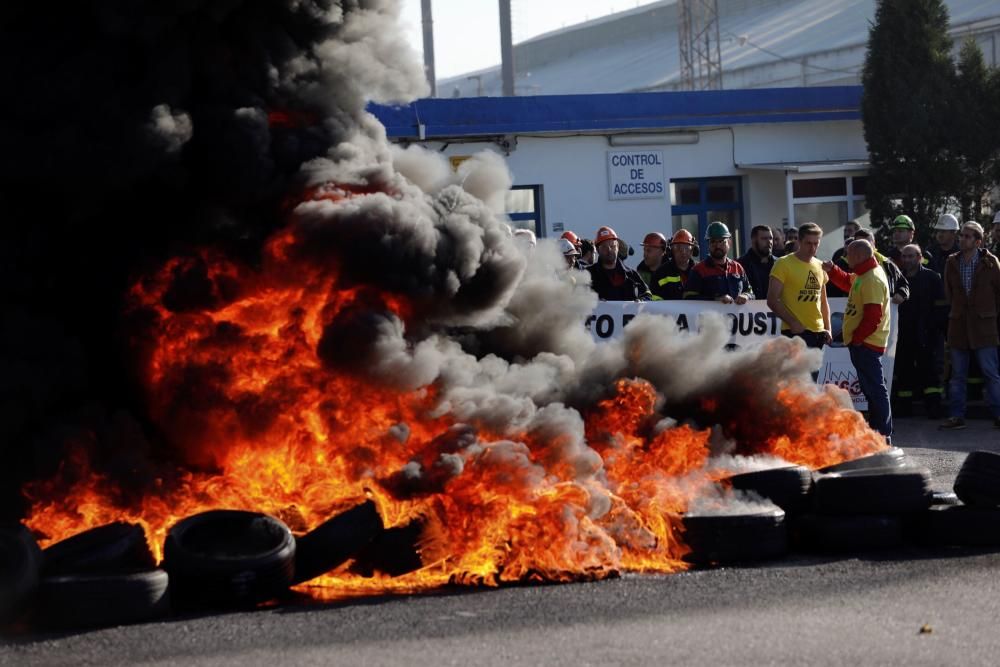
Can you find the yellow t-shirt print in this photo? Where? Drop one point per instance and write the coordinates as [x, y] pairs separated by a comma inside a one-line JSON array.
[[810, 292]]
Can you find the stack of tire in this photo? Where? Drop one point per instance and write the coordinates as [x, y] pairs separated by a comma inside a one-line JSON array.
[[864, 504], [975, 521], [721, 538], [854, 506], [106, 576]]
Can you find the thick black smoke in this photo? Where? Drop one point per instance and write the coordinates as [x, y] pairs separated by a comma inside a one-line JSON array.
[[133, 130]]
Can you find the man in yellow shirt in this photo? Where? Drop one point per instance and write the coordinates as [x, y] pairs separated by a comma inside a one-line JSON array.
[[796, 291], [866, 327]]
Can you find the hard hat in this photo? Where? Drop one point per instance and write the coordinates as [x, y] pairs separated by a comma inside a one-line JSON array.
[[717, 230], [903, 222], [682, 236], [604, 234], [571, 237], [566, 247], [655, 239], [947, 222], [525, 236]]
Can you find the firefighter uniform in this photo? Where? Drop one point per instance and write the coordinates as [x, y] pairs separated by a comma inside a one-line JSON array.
[[920, 346]]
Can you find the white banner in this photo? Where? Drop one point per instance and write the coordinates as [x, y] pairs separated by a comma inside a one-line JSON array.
[[752, 324]]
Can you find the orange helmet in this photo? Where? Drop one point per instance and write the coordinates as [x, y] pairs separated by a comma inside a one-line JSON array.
[[604, 234], [655, 239], [571, 237], [683, 236]]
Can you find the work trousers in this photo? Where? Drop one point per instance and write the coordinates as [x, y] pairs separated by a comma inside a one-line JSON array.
[[917, 374], [868, 364], [987, 358]]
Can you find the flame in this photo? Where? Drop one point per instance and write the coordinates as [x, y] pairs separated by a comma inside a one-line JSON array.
[[259, 422]]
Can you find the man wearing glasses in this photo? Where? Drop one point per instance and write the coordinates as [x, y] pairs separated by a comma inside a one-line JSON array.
[[972, 287]]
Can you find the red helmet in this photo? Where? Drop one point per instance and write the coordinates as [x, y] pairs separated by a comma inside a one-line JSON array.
[[683, 236], [604, 234], [571, 237], [655, 239]]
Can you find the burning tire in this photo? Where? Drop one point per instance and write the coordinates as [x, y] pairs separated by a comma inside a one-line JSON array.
[[978, 480], [787, 487], [336, 540], [735, 538], [100, 600], [229, 557], [873, 491], [20, 560], [840, 534], [961, 525], [110, 548], [395, 551], [894, 457]]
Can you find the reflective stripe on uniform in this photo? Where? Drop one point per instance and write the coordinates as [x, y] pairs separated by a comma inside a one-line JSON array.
[[669, 279], [933, 390], [905, 393]]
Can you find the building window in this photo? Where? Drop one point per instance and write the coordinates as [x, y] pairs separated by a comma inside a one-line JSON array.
[[525, 209], [830, 200], [696, 202]]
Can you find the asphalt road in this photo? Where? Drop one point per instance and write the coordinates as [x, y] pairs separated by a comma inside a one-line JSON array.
[[910, 606]]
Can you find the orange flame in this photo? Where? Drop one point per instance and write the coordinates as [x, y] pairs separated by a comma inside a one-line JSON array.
[[261, 423]]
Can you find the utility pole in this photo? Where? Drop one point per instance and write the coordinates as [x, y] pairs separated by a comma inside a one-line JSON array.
[[428, 24], [698, 33], [506, 49]]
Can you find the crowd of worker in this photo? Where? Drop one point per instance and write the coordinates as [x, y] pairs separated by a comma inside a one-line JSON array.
[[947, 295]]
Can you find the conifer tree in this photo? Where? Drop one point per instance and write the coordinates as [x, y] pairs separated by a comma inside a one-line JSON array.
[[908, 80], [976, 135]]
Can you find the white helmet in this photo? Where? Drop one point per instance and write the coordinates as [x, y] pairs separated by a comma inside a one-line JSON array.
[[996, 218], [947, 222], [566, 247]]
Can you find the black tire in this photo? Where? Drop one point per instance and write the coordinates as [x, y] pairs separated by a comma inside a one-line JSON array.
[[20, 561], [735, 538], [847, 534], [873, 491], [894, 457], [229, 558], [395, 551], [334, 541], [978, 480], [110, 548], [787, 487], [961, 525], [101, 600]]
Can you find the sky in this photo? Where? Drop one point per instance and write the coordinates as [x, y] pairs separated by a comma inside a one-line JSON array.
[[467, 32]]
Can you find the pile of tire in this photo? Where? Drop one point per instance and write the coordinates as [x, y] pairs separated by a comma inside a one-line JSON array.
[[854, 506], [864, 504], [106, 576]]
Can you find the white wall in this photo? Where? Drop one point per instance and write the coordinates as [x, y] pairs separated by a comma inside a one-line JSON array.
[[574, 172]]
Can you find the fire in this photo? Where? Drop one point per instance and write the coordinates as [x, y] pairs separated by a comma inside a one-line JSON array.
[[233, 361]]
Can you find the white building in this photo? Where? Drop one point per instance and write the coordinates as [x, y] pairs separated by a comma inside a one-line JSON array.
[[662, 161], [763, 44]]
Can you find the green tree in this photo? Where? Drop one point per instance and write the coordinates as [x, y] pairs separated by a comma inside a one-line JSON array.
[[908, 79], [976, 136]]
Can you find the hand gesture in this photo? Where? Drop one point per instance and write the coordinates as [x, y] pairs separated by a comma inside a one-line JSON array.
[[725, 298], [828, 266], [741, 299]]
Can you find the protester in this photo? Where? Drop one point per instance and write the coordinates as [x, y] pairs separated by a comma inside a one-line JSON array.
[[670, 281], [572, 238], [901, 232], [779, 241], [972, 287], [946, 238], [718, 277], [569, 253], [588, 253], [920, 345], [840, 257], [758, 259], [791, 240], [795, 291], [654, 250], [866, 327], [994, 240], [899, 288], [609, 277]]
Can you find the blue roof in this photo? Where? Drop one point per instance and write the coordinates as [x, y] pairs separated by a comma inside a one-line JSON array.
[[541, 114]]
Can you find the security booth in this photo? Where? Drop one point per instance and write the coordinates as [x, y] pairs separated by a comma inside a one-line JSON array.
[[643, 162]]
